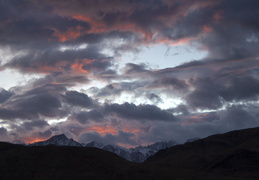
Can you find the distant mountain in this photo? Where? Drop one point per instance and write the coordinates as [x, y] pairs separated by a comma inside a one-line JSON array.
[[141, 153], [138, 154], [58, 140], [94, 144]]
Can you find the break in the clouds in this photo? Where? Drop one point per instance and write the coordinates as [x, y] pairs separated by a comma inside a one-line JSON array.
[[81, 67]]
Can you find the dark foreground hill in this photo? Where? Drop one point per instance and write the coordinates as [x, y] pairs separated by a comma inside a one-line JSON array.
[[58, 162], [234, 155]]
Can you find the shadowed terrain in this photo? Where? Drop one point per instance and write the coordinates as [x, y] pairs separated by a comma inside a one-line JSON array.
[[233, 155], [56, 162]]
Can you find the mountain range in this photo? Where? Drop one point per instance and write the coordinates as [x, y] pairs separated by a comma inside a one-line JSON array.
[[137, 154], [230, 156]]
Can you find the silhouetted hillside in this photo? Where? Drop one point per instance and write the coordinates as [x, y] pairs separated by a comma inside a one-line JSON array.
[[233, 155], [230, 155], [55, 162]]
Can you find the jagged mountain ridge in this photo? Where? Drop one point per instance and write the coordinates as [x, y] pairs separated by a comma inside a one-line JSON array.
[[137, 154], [58, 140]]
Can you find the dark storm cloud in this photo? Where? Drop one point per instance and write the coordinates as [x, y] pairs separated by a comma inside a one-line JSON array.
[[124, 111], [204, 99], [3, 131], [34, 124], [8, 114], [116, 89], [241, 88], [29, 103], [78, 99], [45, 134], [154, 97], [238, 118], [181, 108], [43, 104], [121, 137], [200, 125], [45, 97], [131, 68], [140, 112], [110, 89], [212, 93], [85, 116], [205, 96], [235, 36], [167, 82], [4, 95], [234, 117]]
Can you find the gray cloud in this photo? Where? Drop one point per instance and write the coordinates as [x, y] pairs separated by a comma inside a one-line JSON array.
[[45, 134], [241, 88], [167, 82], [3, 131], [4, 95], [34, 124], [44, 104], [140, 112], [78, 99], [212, 93], [154, 98], [111, 89], [131, 68], [238, 118], [86, 116], [205, 96], [121, 137], [8, 114]]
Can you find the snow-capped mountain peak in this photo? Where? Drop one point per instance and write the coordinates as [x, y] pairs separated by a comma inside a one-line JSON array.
[[58, 140], [94, 144]]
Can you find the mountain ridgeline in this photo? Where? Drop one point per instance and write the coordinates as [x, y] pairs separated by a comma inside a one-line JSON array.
[[233, 155], [137, 154]]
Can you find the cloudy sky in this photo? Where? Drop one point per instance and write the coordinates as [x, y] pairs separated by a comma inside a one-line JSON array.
[[127, 72]]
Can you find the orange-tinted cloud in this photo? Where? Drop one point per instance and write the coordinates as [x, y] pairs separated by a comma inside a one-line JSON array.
[[207, 28], [30, 140], [171, 42], [70, 34], [59, 67], [105, 129], [130, 129], [78, 66], [109, 129], [101, 27]]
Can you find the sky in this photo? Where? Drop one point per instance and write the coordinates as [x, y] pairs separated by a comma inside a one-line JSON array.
[[127, 72]]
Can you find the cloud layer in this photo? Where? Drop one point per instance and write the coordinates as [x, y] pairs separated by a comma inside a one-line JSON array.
[[82, 86]]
